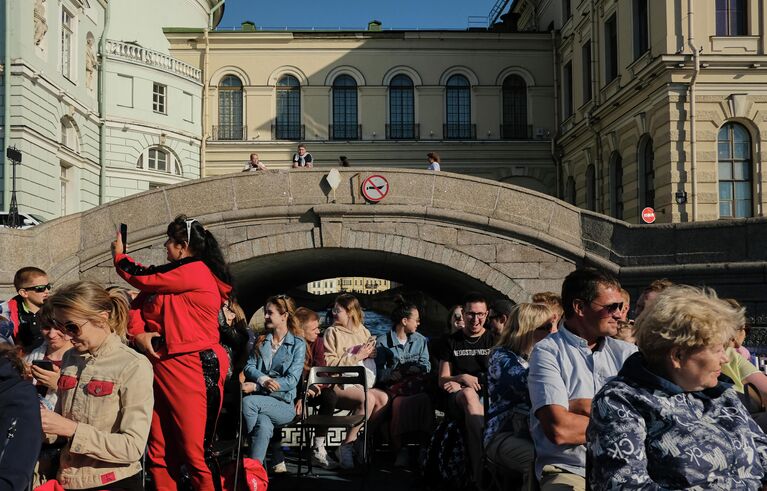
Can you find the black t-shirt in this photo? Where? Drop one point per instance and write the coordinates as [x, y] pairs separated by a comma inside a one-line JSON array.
[[467, 355], [302, 161]]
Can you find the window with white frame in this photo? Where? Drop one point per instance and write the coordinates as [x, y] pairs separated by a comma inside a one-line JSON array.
[[734, 163], [67, 42], [65, 184], [159, 98], [69, 136], [159, 159]]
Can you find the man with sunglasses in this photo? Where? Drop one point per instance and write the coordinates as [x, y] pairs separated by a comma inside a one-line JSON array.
[[32, 288], [567, 369]]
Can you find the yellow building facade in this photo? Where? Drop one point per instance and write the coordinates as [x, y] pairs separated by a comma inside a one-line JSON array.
[[659, 104], [355, 284], [482, 100]]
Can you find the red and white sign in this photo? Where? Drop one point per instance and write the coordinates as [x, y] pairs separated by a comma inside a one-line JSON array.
[[648, 215], [375, 188]]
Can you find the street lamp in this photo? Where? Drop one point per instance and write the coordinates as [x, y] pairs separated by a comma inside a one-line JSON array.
[[681, 197], [14, 156]]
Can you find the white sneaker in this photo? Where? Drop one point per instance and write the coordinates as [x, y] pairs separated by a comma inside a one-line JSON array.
[[321, 458], [345, 454], [280, 468]]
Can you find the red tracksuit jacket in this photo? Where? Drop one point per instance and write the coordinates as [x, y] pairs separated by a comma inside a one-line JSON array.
[[179, 300]]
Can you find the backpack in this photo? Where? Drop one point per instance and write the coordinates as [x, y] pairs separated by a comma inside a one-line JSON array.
[[445, 465], [252, 476]]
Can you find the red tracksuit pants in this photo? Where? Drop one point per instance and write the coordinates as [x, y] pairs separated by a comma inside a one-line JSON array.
[[188, 391]]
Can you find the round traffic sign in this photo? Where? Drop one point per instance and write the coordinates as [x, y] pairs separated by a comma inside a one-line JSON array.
[[375, 188], [648, 215]]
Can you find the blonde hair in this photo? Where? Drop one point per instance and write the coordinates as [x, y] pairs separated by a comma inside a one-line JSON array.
[[551, 300], [88, 299], [685, 317], [350, 303], [525, 318], [239, 314]]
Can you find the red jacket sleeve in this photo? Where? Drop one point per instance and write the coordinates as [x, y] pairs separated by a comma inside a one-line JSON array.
[[168, 278], [136, 323]]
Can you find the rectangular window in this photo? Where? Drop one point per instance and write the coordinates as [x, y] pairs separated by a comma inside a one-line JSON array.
[[567, 89], [159, 92], [567, 11], [641, 28], [124, 91], [731, 18], [158, 160], [64, 185], [611, 49], [188, 106], [67, 40], [586, 64]]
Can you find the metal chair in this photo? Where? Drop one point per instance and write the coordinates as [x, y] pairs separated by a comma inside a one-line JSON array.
[[230, 449], [339, 375]]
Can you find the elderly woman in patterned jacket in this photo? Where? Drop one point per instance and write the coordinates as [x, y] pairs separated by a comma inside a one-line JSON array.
[[667, 421]]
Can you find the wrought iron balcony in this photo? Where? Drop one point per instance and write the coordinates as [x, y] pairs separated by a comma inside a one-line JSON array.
[[289, 131], [345, 131], [459, 131], [403, 131], [229, 133]]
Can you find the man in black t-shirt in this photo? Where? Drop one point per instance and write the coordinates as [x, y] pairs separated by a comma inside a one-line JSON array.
[[302, 158], [462, 360]]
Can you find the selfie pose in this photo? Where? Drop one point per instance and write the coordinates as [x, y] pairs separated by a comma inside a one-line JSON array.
[[174, 321]]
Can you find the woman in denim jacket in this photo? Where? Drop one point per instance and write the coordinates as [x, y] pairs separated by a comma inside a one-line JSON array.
[[402, 361], [272, 374], [666, 421]]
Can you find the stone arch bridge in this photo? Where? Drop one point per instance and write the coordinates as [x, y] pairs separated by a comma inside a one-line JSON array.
[[443, 233]]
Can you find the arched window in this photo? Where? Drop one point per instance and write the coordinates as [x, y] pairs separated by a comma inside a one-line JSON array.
[[288, 124], [69, 137], [616, 185], [734, 158], [401, 109], [345, 125], [570, 195], [229, 110], [159, 159], [591, 188], [458, 109], [646, 161], [515, 109]]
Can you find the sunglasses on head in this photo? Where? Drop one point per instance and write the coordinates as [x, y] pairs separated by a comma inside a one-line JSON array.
[[37, 288], [189, 224], [68, 327]]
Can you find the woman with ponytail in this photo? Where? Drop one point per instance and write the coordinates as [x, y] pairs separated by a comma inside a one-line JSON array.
[[402, 357], [272, 375], [174, 321], [104, 405]]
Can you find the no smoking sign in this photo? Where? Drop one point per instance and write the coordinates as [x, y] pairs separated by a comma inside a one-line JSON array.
[[375, 188]]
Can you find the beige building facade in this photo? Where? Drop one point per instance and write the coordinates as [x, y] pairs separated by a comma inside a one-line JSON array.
[[660, 104], [484, 101], [356, 284]]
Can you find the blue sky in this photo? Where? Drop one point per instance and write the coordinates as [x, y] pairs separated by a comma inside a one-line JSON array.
[[425, 14]]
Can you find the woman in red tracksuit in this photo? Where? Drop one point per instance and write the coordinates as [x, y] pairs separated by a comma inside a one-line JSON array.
[[175, 322]]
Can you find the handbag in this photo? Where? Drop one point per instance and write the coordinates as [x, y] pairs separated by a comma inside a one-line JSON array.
[[408, 386]]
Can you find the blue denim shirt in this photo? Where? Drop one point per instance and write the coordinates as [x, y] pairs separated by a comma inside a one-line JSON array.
[[390, 354], [285, 368], [647, 433]]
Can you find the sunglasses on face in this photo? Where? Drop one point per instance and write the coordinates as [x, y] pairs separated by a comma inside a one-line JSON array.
[[37, 288], [611, 307], [69, 327]]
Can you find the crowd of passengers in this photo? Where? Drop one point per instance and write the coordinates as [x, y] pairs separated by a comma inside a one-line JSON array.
[[92, 379]]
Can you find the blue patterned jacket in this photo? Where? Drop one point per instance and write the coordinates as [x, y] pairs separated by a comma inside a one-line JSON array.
[[647, 433], [507, 390]]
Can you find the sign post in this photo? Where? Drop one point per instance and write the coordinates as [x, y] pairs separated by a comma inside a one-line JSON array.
[[375, 188], [14, 155]]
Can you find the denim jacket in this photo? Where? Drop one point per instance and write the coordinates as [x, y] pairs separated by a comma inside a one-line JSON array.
[[285, 368], [647, 433], [391, 355]]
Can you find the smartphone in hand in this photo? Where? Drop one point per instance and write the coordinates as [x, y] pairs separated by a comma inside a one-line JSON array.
[[44, 364], [124, 235]]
